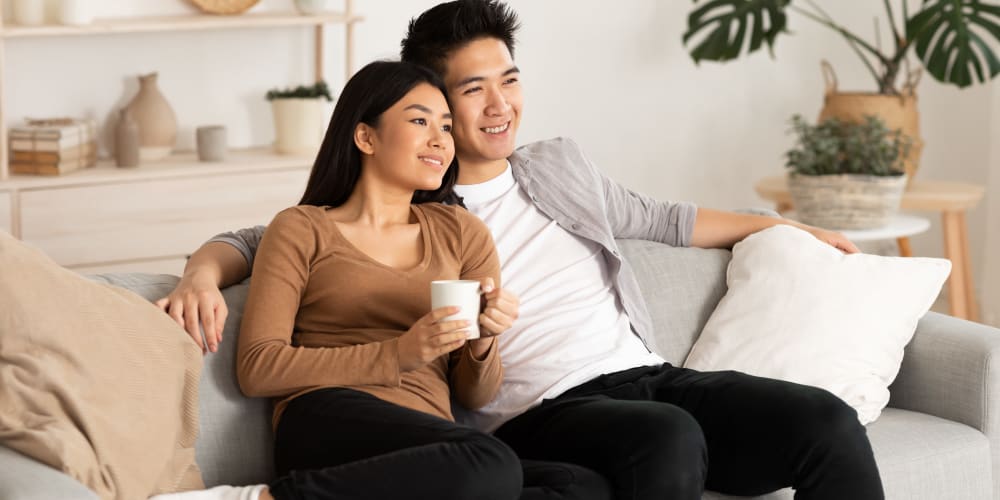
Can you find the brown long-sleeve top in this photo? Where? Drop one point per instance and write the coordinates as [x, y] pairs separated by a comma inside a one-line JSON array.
[[321, 313]]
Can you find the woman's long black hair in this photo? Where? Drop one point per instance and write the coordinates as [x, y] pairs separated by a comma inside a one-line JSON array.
[[368, 94]]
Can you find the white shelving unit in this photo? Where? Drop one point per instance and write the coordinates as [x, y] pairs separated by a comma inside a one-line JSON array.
[[186, 23], [106, 218]]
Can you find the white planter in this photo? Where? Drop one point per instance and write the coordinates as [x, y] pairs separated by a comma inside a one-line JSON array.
[[299, 124], [312, 7]]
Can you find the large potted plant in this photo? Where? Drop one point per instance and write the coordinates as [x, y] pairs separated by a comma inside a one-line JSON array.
[[951, 39], [300, 116], [845, 175]]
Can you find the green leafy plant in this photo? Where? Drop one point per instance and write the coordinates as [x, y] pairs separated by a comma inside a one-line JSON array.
[[948, 36], [834, 147], [319, 89]]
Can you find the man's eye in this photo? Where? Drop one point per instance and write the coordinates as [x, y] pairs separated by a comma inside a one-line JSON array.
[[510, 81], [471, 90]]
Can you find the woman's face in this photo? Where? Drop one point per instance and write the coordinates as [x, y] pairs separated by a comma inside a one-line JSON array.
[[412, 145]]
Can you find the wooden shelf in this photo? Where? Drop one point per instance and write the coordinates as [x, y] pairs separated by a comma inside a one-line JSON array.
[[194, 22], [184, 164]]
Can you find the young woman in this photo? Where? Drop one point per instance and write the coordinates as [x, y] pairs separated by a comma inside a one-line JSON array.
[[337, 327]]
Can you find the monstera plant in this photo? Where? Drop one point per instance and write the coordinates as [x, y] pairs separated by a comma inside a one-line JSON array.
[[949, 36], [951, 39]]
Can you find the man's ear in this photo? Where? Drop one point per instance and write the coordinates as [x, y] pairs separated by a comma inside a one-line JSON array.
[[364, 138]]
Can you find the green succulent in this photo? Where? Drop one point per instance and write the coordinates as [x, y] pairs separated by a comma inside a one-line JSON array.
[[836, 147], [319, 89]]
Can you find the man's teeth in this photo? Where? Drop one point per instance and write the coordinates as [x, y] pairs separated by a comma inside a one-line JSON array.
[[497, 130]]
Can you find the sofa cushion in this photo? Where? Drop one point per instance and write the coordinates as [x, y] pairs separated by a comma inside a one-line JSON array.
[[681, 286], [235, 440], [86, 372], [798, 309]]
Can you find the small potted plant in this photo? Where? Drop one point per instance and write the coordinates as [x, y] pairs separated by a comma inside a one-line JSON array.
[[300, 116], [846, 175]]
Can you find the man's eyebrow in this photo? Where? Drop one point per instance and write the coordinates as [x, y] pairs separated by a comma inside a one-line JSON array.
[[472, 79]]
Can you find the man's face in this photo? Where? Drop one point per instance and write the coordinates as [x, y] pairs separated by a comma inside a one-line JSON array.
[[485, 91]]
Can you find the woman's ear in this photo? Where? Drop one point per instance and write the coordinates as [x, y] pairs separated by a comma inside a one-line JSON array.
[[364, 138]]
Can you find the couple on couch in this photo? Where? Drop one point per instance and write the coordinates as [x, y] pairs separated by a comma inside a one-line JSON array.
[[337, 330]]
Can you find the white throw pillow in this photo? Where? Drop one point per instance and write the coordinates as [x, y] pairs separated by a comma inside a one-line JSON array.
[[798, 309]]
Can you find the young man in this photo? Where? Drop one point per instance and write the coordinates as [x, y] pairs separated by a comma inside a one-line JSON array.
[[580, 386]]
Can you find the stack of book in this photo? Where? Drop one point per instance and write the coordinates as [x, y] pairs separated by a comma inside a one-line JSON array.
[[53, 146]]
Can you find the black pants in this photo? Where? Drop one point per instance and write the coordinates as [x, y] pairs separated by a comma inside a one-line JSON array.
[[666, 432], [345, 444]]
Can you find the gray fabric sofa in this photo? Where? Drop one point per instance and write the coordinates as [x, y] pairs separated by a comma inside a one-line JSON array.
[[939, 439]]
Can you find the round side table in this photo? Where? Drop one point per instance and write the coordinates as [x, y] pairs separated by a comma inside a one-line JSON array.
[[900, 228]]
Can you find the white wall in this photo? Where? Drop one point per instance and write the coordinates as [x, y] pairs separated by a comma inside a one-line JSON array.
[[991, 276], [613, 75]]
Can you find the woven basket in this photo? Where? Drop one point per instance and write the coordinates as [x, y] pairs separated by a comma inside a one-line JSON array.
[[224, 6], [898, 112], [846, 201]]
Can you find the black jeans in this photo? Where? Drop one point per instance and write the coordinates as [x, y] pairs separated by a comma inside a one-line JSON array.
[[666, 432], [346, 444]]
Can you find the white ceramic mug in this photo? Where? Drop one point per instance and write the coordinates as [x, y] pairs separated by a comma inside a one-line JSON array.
[[462, 293]]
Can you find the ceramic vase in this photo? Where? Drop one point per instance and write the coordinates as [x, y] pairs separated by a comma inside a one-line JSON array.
[[126, 140], [155, 118]]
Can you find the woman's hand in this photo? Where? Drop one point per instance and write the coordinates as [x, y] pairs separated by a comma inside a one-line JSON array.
[[428, 338], [197, 299]]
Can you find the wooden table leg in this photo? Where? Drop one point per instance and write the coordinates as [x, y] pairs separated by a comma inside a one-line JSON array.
[[904, 247], [953, 224], [970, 283]]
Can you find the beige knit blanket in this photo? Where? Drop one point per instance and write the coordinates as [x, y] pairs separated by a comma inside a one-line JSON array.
[[94, 380]]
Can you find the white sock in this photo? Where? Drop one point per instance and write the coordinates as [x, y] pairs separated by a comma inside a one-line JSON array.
[[217, 493]]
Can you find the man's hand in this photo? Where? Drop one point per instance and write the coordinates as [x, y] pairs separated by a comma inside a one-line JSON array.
[[833, 238], [500, 312], [198, 300]]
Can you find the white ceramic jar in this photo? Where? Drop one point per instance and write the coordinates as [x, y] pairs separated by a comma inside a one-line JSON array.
[[29, 12], [76, 12]]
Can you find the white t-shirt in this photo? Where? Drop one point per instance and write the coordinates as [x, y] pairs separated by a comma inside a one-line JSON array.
[[571, 326]]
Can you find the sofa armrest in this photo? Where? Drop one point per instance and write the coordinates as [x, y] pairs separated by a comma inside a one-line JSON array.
[[951, 369], [22, 478]]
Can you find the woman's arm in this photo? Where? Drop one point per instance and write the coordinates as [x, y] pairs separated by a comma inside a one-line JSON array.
[[475, 369], [267, 364]]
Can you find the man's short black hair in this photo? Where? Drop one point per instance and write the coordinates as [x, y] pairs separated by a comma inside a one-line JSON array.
[[437, 32]]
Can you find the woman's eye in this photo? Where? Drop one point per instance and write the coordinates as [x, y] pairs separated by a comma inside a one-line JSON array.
[[419, 121], [446, 128]]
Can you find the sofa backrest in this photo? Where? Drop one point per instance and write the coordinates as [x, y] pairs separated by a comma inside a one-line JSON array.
[[681, 286]]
